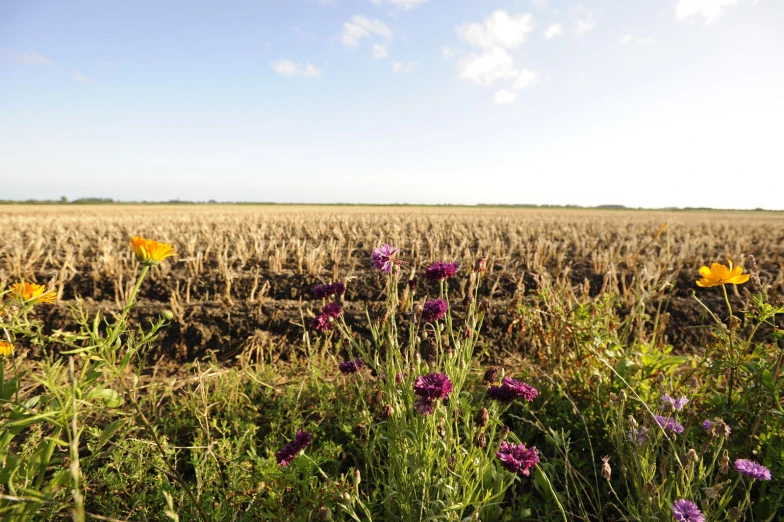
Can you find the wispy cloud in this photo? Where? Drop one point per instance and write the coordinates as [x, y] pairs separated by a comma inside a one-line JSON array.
[[360, 27], [289, 69], [710, 10], [447, 52], [379, 51], [553, 31], [629, 38], [401, 4], [33, 58], [584, 21], [504, 97], [500, 29], [409, 67], [78, 77]]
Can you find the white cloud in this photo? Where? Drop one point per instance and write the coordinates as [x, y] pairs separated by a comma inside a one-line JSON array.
[[401, 4], [584, 21], [288, 69], [553, 31], [629, 38], [541, 4], [409, 67], [526, 78], [379, 51], [447, 52], [500, 29], [487, 67], [504, 97], [708, 9], [33, 58], [80, 77], [360, 27]]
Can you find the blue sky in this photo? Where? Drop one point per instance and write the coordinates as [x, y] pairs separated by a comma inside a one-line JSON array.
[[650, 103]]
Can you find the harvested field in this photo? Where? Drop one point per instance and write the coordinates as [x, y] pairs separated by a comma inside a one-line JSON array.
[[242, 280]]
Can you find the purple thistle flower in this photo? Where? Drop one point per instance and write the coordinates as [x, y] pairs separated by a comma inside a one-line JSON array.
[[424, 406], [510, 390], [434, 310], [686, 511], [381, 258], [669, 424], [674, 404], [752, 469], [706, 424], [337, 288], [440, 271], [433, 386], [301, 441], [321, 323], [332, 310], [320, 291], [517, 458], [638, 435], [350, 366]]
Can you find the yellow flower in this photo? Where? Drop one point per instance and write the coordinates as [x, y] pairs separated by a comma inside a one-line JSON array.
[[25, 291], [6, 349], [151, 252], [719, 274]]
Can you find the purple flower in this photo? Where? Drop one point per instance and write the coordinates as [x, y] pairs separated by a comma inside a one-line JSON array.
[[424, 406], [381, 258], [321, 323], [332, 310], [517, 458], [301, 441], [638, 435], [320, 291], [440, 271], [686, 511], [752, 469], [674, 404], [434, 310], [706, 424], [350, 366], [717, 428], [669, 424], [336, 288], [433, 386], [511, 389]]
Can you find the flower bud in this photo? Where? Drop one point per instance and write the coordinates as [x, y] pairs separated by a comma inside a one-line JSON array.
[[479, 265], [724, 463], [357, 477], [482, 416], [324, 513], [167, 315], [388, 411], [504, 432], [481, 439], [606, 469], [491, 375]]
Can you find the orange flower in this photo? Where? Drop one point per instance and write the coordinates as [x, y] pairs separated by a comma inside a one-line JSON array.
[[25, 291], [719, 274], [6, 349], [151, 252]]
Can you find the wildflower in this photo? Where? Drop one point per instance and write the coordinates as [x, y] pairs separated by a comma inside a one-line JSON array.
[[691, 456], [412, 283], [322, 291], [674, 404], [719, 274], [31, 292], [6, 349], [517, 458], [350, 366], [638, 435], [686, 511], [433, 386], [491, 375], [606, 469], [717, 428], [434, 310], [714, 491], [321, 323], [479, 266], [439, 271], [424, 406], [381, 258], [482, 416], [510, 390], [150, 252], [669, 424], [752, 469], [481, 439], [301, 441], [724, 463], [332, 310]]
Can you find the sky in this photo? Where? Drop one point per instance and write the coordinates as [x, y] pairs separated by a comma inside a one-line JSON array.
[[643, 103]]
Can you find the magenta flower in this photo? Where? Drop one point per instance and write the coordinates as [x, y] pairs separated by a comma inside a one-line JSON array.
[[440, 271], [424, 406], [301, 441], [321, 323], [433, 386], [332, 310], [674, 404], [752, 470], [510, 390], [381, 258], [434, 310], [517, 458], [669, 424], [350, 366], [686, 511], [336, 288]]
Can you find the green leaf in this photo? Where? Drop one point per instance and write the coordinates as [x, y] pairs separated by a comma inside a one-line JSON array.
[[111, 399]]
